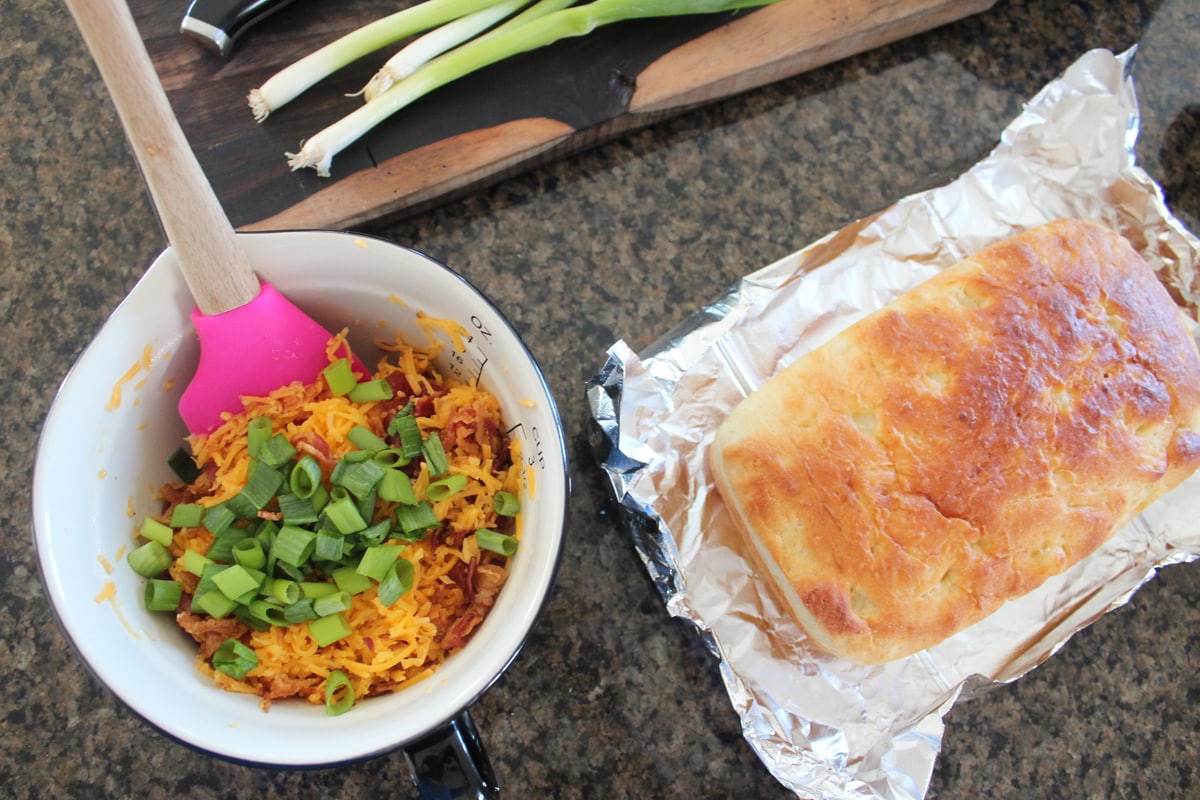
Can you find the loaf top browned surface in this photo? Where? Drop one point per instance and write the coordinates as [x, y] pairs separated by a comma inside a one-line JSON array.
[[982, 433]]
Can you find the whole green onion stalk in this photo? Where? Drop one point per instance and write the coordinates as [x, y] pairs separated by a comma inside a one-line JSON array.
[[289, 83], [414, 55], [542, 24]]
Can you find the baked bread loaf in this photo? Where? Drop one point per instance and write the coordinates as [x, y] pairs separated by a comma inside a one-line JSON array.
[[953, 450]]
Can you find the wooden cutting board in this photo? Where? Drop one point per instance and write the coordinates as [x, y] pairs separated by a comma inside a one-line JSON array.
[[521, 113]]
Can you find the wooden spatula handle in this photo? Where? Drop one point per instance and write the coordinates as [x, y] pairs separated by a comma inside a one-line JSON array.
[[213, 263]]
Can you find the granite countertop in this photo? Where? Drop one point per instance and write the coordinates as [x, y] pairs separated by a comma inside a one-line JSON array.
[[611, 697]]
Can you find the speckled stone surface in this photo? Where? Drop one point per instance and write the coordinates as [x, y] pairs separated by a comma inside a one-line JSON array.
[[611, 698]]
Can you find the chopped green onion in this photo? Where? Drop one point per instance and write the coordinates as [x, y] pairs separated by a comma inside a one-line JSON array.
[[157, 531], [369, 391], [150, 559], [184, 465], [339, 375], [327, 630], [446, 487], [258, 431], [187, 515], [376, 560], [163, 595], [390, 457], [339, 693], [214, 603], [319, 499], [222, 547], [289, 572], [405, 428], [306, 477], [417, 518], [361, 477], [267, 612], [235, 581], [293, 545], [194, 562], [328, 546], [249, 553], [339, 469], [365, 439], [265, 532], [395, 487], [299, 611], [217, 518], [283, 590], [366, 506], [376, 533], [435, 455], [296, 510], [506, 504], [331, 603], [396, 582], [277, 451], [314, 589], [343, 513], [496, 542], [350, 581], [241, 506], [242, 612], [234, 659], [261, 487]]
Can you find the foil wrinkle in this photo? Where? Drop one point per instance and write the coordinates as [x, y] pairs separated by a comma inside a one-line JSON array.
[[823, 727]]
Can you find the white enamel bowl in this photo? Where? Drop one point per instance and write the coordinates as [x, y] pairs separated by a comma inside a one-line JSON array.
[[113, 458]]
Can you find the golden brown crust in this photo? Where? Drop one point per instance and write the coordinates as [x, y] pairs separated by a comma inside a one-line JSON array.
[[982, 433]]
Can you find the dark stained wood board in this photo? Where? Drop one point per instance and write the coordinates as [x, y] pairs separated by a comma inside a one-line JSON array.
[[520, 113]]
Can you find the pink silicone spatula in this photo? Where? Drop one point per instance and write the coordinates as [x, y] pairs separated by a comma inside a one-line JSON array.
[[252, 339]]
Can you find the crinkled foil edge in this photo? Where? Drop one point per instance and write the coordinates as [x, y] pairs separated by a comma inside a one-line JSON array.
[[823, 728]]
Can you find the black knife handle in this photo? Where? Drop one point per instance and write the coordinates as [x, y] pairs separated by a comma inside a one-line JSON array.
[[216, 24]]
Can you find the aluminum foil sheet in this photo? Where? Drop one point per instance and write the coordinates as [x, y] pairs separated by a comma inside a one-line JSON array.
[[826, 728]]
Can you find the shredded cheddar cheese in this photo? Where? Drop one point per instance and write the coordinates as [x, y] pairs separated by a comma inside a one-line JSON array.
[[454, 581], [108, 593], [143, 364], [457, 333]]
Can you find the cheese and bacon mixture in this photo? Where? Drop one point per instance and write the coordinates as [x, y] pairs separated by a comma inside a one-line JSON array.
[[454, 581]]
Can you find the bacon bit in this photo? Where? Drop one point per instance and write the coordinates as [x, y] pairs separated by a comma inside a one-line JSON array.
[[485, 585], [463, 576], [281, 685], [382, 687], [450, 537], [423, 406], [274, 516], [314, 445], [400, 385], [173, 494], [209, 632], [461, 630]]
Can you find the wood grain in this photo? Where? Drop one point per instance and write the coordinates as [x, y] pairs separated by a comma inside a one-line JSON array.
[[783, 40]]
